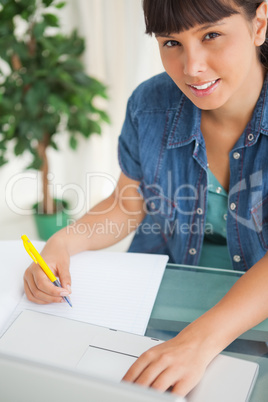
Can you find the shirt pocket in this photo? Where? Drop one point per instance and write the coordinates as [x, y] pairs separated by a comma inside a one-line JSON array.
[[260, 217], [161, 209]]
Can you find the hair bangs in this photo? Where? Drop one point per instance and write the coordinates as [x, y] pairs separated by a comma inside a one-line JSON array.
[[167, 16]]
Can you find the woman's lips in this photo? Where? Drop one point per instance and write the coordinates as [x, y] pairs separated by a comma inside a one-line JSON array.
[[204, 89]]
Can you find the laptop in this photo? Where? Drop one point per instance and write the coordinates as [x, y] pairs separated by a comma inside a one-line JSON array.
[[22, 380], [107, 354]]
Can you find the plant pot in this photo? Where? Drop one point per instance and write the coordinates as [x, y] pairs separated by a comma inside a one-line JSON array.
[[48, 224]]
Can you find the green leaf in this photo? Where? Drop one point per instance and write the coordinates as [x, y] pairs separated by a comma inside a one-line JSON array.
[[104, 116], [54, 145], [51, 20], [47, 3], [3, 161], [57, 102], [71, 65], [25, 15], [3, 145], [81, 78], [49, 122], [32, 101], [94, 127], [21, 146], [28, 4], [60, 5], [36, 163], [38, 29], [73, 142]]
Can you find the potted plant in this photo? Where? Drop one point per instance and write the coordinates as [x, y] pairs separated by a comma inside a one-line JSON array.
[[44, 90]]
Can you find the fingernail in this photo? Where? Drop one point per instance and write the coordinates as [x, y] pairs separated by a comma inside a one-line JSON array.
[[64, 293], [69, 289]]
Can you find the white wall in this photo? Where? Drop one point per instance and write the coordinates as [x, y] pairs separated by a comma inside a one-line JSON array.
[[121, 55]]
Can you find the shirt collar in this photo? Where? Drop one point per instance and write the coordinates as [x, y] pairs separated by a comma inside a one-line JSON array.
[[259, 122], [186, 124]]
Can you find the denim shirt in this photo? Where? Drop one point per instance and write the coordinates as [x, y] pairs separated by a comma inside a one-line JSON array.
[[162, 147]]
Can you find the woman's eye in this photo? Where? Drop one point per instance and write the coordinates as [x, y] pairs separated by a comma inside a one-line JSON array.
[[211, 35], [171, 43]]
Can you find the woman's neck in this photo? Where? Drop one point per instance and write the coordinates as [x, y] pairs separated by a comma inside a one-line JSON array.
[[237, 112]]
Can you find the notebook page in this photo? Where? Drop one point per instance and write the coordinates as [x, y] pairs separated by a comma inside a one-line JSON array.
[[110, 289]]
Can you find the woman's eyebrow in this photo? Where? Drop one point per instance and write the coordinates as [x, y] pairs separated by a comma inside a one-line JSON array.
[[163, 35], [209, 25], [198, 29]]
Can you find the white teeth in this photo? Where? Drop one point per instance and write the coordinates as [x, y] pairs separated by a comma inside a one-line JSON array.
[[205, 86]]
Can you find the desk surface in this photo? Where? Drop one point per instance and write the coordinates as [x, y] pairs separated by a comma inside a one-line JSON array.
[[186, 293]]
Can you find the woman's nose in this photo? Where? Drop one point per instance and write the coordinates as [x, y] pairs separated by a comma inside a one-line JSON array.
[[194, 62]]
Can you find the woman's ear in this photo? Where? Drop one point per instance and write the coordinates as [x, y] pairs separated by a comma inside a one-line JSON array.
[[260, 24]]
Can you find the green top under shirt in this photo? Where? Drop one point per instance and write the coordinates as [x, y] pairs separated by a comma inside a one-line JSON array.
[[214, 251]]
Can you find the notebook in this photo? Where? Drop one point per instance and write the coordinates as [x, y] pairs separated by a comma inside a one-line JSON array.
[[108, 353], [112, 289]]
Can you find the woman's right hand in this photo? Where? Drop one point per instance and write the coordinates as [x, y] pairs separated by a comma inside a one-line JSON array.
[[38, 288]]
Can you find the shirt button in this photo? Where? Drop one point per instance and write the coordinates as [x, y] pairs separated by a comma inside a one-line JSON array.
[[232, 206], [218, 190], [236, 155], [225, 217], [236, 258], [192, 251], [199, 211], [250, 137], [152, 205]]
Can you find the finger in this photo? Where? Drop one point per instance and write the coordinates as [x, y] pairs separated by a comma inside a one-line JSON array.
[[167, 379], [150, 374], [39, 297], [41, 287], [44, 284], [137, 368], [64, 276], [29, 294], [184, 386], [181, 388], [146, 373]]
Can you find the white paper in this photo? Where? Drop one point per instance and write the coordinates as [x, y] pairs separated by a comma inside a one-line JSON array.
[[114, 290], [14, 261]]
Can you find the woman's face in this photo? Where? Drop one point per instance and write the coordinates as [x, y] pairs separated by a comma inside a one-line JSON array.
[[213, 64]]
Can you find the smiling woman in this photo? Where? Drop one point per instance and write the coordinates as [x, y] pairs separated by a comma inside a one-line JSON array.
[[223, 53], [193, 154]]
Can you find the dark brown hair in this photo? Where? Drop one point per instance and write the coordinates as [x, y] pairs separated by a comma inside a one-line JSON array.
[[167, 16]]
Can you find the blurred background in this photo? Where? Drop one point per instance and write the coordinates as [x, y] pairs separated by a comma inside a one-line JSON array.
[[119, 54]]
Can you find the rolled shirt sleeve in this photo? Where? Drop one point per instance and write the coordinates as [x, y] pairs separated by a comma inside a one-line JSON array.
[[128, 146]]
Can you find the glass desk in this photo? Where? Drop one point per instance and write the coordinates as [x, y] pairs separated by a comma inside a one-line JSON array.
[[185, 293]]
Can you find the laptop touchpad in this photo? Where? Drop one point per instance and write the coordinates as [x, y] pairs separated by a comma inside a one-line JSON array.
[[105, 363]]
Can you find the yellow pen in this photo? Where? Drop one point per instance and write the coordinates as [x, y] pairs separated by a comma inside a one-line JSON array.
[[33, 253]]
